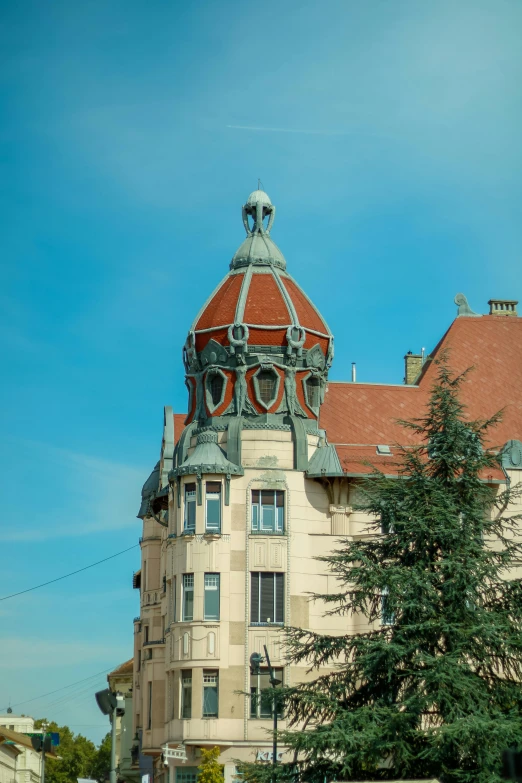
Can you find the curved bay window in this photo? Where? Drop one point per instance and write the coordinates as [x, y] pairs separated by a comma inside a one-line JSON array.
[[189, 521]]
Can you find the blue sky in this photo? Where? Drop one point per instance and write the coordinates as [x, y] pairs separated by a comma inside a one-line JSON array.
[[386, 133]]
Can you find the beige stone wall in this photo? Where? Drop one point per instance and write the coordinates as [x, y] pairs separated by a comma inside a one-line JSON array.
[[315, 515]]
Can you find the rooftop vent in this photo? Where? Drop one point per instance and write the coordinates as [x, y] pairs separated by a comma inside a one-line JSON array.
[[503, 307]]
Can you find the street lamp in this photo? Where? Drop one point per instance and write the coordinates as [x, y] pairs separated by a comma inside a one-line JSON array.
[[112, 704], [255, 668]]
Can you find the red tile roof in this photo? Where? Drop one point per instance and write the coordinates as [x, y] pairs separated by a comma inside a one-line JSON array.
[[124, 668], [222, 307], [358, 414], [306, 312]]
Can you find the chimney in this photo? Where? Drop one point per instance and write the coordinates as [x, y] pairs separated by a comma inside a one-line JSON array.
[[412, 367], [503, 307]]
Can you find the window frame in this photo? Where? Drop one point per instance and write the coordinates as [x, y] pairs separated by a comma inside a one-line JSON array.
[[212, 497], [173, 600], [186, 682], [278, 601], [190, 506], [208, 686], [257, 388], [256, 512], [211, 589], [186, 590], [258, 700], [149, 706], [212, 407], [387, 617], [307, 386]]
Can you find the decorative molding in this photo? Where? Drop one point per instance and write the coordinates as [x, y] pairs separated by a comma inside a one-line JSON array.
[[511, 456], [463, 307]]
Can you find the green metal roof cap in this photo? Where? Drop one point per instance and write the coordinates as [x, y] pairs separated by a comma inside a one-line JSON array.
[[258, 249], [324, 462], [149, 488], [207, 457]]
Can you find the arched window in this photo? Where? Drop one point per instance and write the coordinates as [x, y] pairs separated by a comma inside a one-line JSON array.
[[313, 388], [216, 388], [266, 380]]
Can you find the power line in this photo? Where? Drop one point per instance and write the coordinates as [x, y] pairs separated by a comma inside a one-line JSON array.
[[65, 576], [35, 698]]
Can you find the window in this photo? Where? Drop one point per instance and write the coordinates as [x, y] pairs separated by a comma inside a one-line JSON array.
[[213, 507], [268, 511], [186, 774], [387, 615], [267, 597], [211, 610], [190, 508], [313, 389], [188, 597], [138, 661], [210, 693], [266, 381], [173, 600], [149, 707], [145, 634], [216, 388], [261, 694], [186, 694]]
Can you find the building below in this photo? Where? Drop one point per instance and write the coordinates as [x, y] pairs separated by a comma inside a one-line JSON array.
[[127, 765], [258, 479], [19, 762]]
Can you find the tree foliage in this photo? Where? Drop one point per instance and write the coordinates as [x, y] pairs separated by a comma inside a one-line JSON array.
[[210, 770], [78, 756], [434, 691]]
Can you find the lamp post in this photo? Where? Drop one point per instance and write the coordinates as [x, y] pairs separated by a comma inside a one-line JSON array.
[[112, 704], [255, 662]]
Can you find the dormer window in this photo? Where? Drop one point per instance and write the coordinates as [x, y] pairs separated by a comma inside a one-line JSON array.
[[216, 388], [313, 392], [215, 384], [267, 381], [266, 384]]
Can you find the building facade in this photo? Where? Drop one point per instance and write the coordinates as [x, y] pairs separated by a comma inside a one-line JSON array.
[[256, 481], [19, 762]]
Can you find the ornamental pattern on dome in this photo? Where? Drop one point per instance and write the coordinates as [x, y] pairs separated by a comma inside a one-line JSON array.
[[258, 345]]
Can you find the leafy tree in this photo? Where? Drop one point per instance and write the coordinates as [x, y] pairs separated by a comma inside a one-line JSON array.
[[77, 755], [210, 771], [102, 762], [433, 688]]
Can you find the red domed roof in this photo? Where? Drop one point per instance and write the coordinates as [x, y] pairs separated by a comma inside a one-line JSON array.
[[259, 294], [268, 301], [258, 345]]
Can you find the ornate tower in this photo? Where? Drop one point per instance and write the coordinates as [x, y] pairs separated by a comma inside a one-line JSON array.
[[258, 348], [231, 512]]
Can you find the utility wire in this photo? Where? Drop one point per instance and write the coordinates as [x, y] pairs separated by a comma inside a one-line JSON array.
[[65, 576], [35, 698]]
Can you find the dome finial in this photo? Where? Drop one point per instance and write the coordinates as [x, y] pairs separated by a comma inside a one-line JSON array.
[[258, 206]]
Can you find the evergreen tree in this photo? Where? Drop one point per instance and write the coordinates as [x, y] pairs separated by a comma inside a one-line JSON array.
[[210, 770], [433, 688]]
